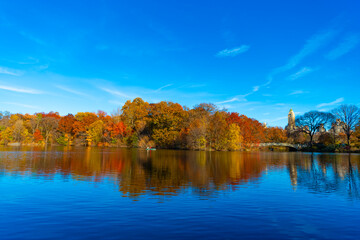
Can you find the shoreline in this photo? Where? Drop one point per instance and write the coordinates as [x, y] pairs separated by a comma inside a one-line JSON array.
[[254, 149]]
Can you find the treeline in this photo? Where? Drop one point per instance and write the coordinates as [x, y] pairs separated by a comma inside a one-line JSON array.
[[329, 130], [140, 124]]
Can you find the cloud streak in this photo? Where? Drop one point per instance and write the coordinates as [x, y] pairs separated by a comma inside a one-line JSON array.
[[339, 100], [233, 52], [344, 47], [159, 89], [70, 90], [9, 71], [298, 92], [116, 93], [313, 44], [301, 73], [240, 98], [235, 99], [20, 90]]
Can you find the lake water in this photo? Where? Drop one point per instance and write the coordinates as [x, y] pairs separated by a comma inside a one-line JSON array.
[[95, 193]]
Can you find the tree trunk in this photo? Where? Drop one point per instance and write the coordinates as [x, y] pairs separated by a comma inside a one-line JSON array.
[[46, 139]]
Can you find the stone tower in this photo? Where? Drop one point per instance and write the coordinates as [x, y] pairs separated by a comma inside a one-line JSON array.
[[291, 121]]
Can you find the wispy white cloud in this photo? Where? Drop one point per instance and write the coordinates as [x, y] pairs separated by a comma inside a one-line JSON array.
[[313, 44], [116, 93], [225, 107], [229, 101], [159, 89], [256, 88], [21, 105], [240, 98], [297, 92], [66, 89], [9, 71], [20, 90], [233, 52], [301, 73], [339, 100], [344, 47]]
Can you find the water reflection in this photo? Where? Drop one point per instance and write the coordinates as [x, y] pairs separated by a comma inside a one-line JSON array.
[[166, 172]]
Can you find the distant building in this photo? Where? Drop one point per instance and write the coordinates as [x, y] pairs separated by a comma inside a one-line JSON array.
[[336, 128], [291, 127]]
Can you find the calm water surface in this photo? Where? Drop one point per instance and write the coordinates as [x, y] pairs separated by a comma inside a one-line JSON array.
[[83, 193]]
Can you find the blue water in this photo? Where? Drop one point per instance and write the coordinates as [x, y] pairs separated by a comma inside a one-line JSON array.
[[83, 193]]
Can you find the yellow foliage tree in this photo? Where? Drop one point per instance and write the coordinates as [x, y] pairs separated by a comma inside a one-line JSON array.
[[234, 137], [95, 132]]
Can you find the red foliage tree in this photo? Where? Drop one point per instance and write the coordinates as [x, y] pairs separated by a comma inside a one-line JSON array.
[[66, 124], [252, 130], [37, 136]]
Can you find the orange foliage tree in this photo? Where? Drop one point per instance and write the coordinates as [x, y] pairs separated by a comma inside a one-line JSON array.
[[252, 131], [37, 136]]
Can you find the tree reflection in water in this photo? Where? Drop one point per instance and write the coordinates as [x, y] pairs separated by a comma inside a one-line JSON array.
[[326, 173], [167, 173]]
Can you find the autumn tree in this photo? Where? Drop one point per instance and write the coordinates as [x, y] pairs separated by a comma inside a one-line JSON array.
[[252, 131], [166, 121], [48, 126], [5, 120], [80, 126], [275, 134], [19, 131], [234, 137], [196, 124], [86, 118], [350, 116], [66, 127], [34, 122], [196, 134], [357, 135], [95, 132], [114, 131], [217, 131], [66, 124], [135, 114], [6, 135], [37, 136]]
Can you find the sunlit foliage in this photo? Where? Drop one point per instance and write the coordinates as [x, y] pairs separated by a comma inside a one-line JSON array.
[[163, 125]]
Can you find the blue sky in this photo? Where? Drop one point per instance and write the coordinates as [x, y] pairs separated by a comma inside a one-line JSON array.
[[258, 58]]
